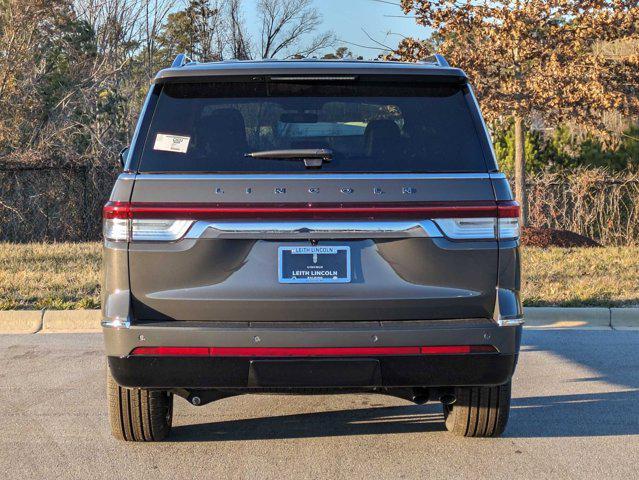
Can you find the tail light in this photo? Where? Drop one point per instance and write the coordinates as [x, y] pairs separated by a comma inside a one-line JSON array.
[[508, 220], [502, 224], [123, 221], [119, 225]]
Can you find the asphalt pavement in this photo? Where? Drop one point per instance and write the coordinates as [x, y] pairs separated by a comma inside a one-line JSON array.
[[575, 414]]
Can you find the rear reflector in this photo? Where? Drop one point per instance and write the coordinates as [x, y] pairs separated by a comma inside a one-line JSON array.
[[172, 351], [309, 352], [456, 349]]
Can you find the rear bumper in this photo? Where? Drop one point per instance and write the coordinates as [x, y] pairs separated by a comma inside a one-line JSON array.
[[308, 372], [360, 372]]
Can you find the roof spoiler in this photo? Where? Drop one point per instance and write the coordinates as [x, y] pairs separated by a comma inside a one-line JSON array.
[[437, 59], [181, 60]]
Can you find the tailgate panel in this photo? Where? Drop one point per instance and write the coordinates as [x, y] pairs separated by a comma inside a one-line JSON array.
[[236, 280], [213, 278]]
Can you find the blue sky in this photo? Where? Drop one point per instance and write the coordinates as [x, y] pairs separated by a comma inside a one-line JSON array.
[[347, 18]]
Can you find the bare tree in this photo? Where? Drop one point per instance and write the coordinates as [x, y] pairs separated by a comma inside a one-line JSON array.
[[285, 23], [240, 42], [155, 12]]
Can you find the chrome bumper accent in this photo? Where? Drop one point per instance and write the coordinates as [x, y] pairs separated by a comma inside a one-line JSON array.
[[314, 229], [510, 321], [116, 323]]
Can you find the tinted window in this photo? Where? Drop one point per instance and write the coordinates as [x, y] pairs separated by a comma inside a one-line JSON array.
[[369, 126]]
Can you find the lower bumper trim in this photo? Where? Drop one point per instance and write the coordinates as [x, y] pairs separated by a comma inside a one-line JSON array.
[[120, 342], [247, 373]]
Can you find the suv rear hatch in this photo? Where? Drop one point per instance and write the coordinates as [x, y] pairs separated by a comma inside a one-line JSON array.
[[404, 207]]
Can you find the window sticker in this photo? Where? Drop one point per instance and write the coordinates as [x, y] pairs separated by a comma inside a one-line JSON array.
[[171, 143]]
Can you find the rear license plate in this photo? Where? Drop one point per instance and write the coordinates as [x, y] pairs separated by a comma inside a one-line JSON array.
[[314, 264]]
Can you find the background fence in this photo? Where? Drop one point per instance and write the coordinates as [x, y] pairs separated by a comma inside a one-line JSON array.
[[53, 204], [591, 202], [64, 204]]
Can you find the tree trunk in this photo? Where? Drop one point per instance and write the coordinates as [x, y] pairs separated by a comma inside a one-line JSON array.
[[520, 168]]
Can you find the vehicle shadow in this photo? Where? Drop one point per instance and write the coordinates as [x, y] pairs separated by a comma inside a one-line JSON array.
[[362, 421], [610, 357], [593, 415], [611, 360], [579, 415]]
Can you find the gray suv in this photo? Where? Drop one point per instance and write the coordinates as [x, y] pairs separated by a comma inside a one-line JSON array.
[[310, 227]]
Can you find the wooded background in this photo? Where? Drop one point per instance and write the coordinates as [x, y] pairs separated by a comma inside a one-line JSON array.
[[73, 76]]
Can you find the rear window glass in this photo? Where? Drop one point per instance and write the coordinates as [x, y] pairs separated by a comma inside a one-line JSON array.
[[368, 126]]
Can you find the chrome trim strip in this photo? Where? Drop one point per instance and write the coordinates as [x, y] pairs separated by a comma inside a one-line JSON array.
[[116, 323], [497, 176], [510, 321], [314, 176], [314, 229]]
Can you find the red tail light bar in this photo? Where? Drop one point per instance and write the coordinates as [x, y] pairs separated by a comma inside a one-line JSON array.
[[145, 221], [206, 211], [310, 351]]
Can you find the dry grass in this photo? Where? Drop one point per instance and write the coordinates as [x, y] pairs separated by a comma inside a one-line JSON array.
[[575, 277], [67, 276], [53, 276]]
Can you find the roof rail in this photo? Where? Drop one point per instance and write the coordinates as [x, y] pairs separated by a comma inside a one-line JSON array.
[[181, 60], [438, 59]]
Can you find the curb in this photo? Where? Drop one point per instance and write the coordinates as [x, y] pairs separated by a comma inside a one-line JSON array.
[[21, 321], [624, 318], [563, 318], [61, 321], [537, 318]]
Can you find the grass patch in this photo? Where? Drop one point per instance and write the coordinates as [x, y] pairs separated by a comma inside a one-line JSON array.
[[57, 276], [578, 277], [67, 276]]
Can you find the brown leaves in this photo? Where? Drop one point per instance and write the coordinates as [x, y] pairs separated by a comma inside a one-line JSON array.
[[534, 56]]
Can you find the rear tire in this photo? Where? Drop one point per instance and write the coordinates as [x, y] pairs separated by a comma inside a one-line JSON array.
[[137, 414], [478, 411]]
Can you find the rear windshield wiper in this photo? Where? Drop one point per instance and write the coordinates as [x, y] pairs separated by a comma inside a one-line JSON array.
[[312, 157]]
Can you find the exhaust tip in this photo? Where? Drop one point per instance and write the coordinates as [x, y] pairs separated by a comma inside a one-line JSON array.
[[448, 399]]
